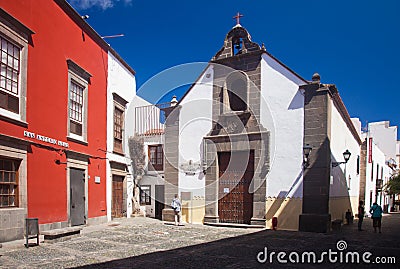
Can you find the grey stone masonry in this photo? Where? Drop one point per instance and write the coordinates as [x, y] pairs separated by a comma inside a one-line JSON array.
[[315, 216], [363, 170], [63, 234], [171, 153], [12, 221], [237, 130]]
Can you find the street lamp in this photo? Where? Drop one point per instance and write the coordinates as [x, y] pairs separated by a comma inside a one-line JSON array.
[[346, 156], [306, 153]]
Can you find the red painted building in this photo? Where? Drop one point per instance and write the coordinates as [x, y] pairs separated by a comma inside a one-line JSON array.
[[53, 85]]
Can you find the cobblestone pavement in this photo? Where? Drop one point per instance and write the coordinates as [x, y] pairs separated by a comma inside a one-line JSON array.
[[148, 243]]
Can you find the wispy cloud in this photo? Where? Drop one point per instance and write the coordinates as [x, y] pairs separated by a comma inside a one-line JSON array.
[[103, 4]]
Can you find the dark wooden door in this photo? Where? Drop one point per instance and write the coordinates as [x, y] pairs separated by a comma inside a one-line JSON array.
[[159, 206], [117, 196], [77, 196], [235, 204]]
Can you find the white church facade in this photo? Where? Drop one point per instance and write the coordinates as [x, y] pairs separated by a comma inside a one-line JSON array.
[[234, 144]]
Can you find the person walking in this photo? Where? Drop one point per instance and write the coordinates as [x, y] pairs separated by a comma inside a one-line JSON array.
[[176, 206], [376, 211], [361, 213]]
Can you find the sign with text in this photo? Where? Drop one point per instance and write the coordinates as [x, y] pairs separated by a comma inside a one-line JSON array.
[[46, 139], [370, 150]]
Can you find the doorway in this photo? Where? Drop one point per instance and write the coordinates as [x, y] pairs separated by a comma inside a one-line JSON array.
[[77, 196], [159, 200], [235, 203], [117, 209]]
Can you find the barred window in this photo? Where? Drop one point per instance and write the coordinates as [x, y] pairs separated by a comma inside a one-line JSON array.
[[8, 183], [9, 75]]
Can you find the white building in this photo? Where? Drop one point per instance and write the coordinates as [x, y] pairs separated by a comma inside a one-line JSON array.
[[377, 175], [380, 150], [385, 137], [398, 154], [149, 127], [121, 90]]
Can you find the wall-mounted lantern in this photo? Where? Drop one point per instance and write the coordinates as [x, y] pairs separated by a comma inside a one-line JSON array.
[[306, 154], [346, 156]]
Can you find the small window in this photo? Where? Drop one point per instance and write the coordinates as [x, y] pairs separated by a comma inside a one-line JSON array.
[[8, 183], [145, 195], [9, 75], [119, 123], [238, 95], [14, 45], [78, 81], [76, 108], [118, 128], [370, 198], [156, 157], [358, 164], [236, 92], [372, 171]]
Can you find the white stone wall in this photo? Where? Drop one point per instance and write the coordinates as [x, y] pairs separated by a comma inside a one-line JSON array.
[[282, 113], [195, 121], [122, 82], [345, 180], [342, 139]]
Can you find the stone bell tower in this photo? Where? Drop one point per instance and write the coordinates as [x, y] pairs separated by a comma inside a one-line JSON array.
[[237, 146]]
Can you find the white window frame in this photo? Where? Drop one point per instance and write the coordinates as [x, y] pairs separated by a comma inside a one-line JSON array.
[[82, 78]]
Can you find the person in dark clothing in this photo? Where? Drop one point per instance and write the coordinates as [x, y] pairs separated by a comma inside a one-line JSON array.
[[361, 213]]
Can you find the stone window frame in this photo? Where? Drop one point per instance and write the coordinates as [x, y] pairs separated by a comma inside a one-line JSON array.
[[17, 34], [228, 81], [79, 76]]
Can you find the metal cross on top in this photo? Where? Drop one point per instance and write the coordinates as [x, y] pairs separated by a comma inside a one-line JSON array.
[[237, 17]]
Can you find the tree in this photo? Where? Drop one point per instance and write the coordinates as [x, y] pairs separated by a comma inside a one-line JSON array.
[[138, 157], [393, 187]]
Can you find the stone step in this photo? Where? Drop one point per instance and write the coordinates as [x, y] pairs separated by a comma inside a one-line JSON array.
[[57, 235], [234, 225]]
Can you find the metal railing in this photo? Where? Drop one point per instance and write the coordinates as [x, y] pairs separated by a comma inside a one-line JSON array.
[[149, 120]]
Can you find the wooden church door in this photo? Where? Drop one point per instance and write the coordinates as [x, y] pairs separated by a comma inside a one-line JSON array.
[[235, 203]]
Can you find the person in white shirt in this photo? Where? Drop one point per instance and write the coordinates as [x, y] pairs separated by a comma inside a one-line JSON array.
[[176, 206]]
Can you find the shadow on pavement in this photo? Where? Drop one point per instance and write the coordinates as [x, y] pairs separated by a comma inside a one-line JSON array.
[[242, 251]]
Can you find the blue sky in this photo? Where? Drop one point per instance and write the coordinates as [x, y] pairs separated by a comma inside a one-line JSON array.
[[353, 44]]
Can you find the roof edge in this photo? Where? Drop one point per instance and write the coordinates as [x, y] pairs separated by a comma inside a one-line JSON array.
[[338, 102], [74, 15], [285, 66]]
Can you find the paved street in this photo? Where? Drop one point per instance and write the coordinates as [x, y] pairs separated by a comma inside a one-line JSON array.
[[148, 243]]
